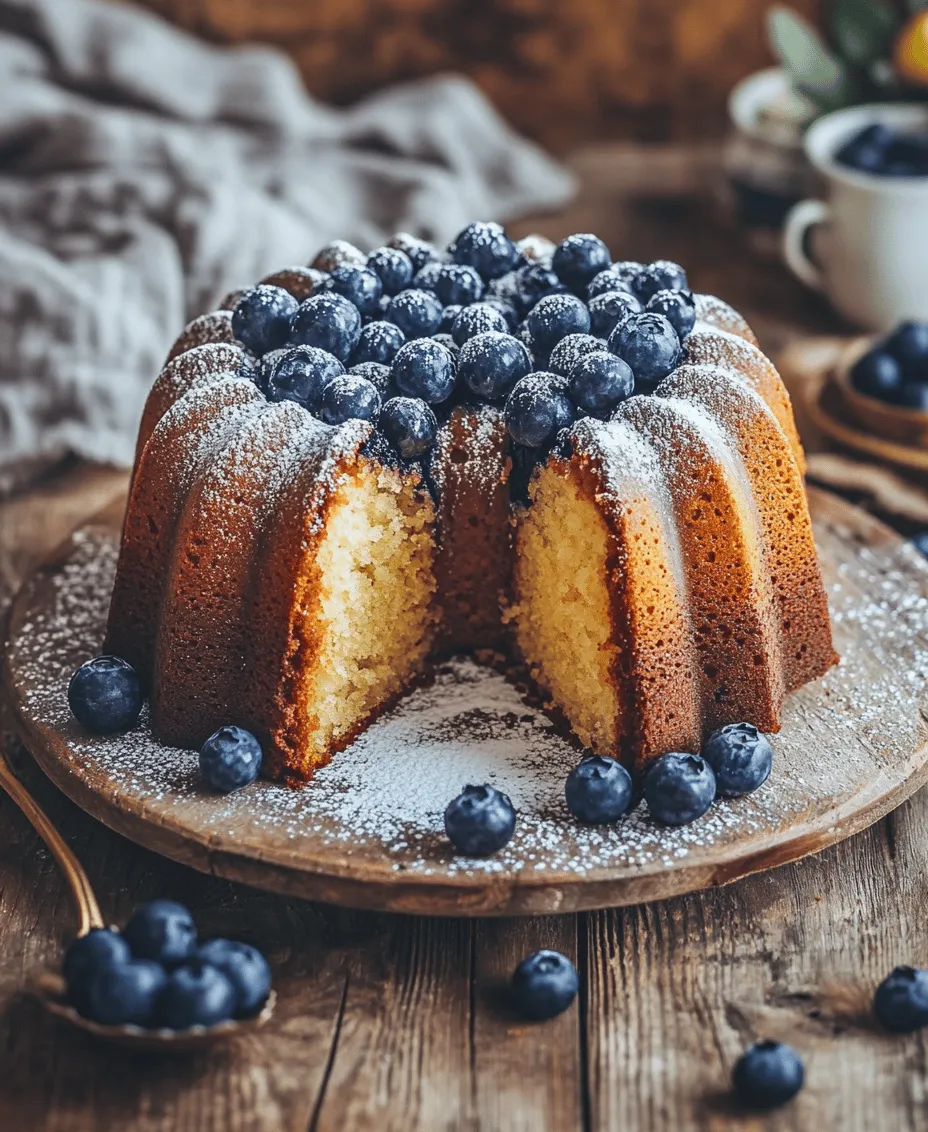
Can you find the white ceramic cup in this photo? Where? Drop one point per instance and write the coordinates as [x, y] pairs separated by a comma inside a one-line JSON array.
[[870, 241]]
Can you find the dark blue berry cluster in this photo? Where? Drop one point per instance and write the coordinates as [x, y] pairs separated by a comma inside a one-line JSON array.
[[155, 973], [886, 152], [895, 370], [551, 332]]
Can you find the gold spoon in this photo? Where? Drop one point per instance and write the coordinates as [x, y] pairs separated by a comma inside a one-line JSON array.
[[49, 987]]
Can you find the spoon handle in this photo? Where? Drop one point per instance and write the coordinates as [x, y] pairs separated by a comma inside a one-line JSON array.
[[88, 911]]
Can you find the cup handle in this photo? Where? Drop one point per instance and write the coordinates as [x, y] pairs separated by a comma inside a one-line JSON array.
[[801, 217]]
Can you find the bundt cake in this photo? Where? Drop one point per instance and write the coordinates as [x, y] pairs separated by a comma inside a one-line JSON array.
[[356, 467]]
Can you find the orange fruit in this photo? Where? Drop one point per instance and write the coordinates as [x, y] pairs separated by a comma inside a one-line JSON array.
[[910, 53]]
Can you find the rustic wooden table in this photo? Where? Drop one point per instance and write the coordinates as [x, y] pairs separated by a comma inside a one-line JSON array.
[[399, 1022]]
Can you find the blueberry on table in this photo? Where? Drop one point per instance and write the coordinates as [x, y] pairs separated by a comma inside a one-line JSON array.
[[197, 994], [544, 985], [537, 409], [457, 283], [162, 931], [611, 279], [378, 342], [877, 374], [678, 307], [105, 695], [424, 368], [359, 285], [610, 308], [348, 398], [534, 282], [338, 253], [98, 950], [600, 381], [393, 268], [417, 313], [506, 307], [301, 374], [410, 425], [328, 321], [378, 374], [230, 759], [261, 319], [126, 994], [245, 968], [649, 344], [448, 315], [598, 790], [554, 317], [491, 363], [767, 1075], [419, 251], [679, 788], [426, 278], [661, 275], [570, 350], [901, 1000], [579, 258], [740, 757], [479, 821], [908, 344], [477, 319], [485, 247]]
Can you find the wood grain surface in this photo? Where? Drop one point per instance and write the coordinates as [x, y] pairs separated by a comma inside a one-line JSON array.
[[855, 781]]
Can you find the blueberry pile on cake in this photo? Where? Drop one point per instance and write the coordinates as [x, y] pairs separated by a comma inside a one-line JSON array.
[[356, 467]]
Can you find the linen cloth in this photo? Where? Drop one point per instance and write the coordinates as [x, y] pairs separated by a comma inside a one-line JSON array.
[[144, 173]]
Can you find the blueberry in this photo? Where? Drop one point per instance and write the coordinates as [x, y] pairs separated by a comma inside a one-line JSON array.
[[261, 319], [419, 251], [348, 398], [491, 363], [908, 344], [537, 409], [300, 374], [448, 315], [627, 270], [126, 994], [740, 757], [161, 930], [914, 395], [230, 759], [609, 309], [767, 1074], [378, 342], [877, 374], [535, 282], [598, 790], [867, 150], [426, 278], [359, 285], [570, 350], [485, 247], [457, 283], [410, 425], [649, 344], [424, 369], [197, 994], [661, 275], [600, 381], [535, 248], [450, 345], [264, 369], [245, 968], [416, 313], [105, 695], [392, 267], [328, 321], [338, 253], [554, 317], [507, 309], [477, 319], [679, 788], [901, 1000], [544, 985], [378, 374], [678, 307], [609, 280], [579, 258], [920, 542], [479, 821], [98, 950]]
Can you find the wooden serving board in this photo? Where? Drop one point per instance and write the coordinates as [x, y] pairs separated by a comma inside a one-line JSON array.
[[367, 831]]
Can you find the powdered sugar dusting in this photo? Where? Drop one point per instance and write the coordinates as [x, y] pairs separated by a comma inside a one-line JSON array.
[[384, 796]]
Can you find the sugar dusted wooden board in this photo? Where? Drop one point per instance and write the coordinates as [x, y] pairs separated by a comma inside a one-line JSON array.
[[367, 831]]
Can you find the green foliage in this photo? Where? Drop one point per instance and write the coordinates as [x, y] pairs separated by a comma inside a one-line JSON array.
[[862, 31], [815, 70]]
